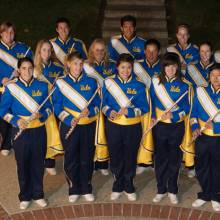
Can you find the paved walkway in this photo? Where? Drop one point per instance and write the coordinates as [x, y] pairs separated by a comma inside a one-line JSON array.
[[56, 193]]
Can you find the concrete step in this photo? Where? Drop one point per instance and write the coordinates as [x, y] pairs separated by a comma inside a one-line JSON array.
[[144, 14], [121, 7], [146, 23], [136, 2]]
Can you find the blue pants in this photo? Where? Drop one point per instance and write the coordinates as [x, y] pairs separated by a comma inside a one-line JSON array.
[[30, 151], [123, 142], [79, 157], [207, 165], [167, 155]]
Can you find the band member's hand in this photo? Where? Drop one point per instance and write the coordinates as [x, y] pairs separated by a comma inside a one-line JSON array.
[[209, 125], [74, 122], [84, 113], [196, 133], [22, 124], [167, 115], [36, 115], [123, 111], [5, 80], [153, 122], [113, 115]]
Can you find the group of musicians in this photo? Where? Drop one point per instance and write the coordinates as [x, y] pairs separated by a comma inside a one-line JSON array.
[[121, 106]]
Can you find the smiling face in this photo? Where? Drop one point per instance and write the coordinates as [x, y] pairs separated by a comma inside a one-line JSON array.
[[26, 71], [205, 53], [171, 70], [215, 78], [183, 36], [8, 35], [75, 66], [151, 53], [45, 52], [63, 31], [128, 30], [98, 52], [124, 70]]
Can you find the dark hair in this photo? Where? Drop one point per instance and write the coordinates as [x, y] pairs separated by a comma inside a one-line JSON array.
[[23, 60], [182, 25], [62, 20], [129, 18], [206, 43], [125, 57], [214, 67], [170, 58], [152, 42]]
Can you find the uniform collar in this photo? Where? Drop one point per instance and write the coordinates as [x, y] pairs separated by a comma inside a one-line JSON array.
[[46, 65], [188, 46], [124, 82], [128, 40], [151, 65], [99, 64], [74, 79], [8, 47], [213, 90], [170, 80], [206, 67], [26, 83], [63, 41]]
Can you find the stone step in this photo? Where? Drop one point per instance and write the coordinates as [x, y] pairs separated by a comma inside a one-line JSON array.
[[141, 23], [149, 14], [136, 2]]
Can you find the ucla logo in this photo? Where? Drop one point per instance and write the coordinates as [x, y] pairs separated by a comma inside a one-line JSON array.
[[188, 56], [136, 49], [20, 55], [131, 91], [175, 89], [85, 88], [36, 93], [53, 74]]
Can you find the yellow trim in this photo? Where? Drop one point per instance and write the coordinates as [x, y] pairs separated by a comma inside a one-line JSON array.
[[208, 132], [2, 89], [159, 114], [82, 121], [122, 120], [33, 124]]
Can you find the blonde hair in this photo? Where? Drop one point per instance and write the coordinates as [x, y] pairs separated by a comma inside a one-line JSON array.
[[5, 25], [38, 62], [91, 58]]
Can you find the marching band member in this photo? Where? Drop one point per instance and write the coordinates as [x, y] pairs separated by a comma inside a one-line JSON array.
[[47, 69], [145, 70], [205, 122], [198, 73], [74, 107], [64, 44], [127, 42], [168, 133], [10, 52], [124, 102], [20, 100], [187, 52], [99, 67]]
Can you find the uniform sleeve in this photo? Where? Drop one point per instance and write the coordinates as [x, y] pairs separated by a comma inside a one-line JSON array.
[[59, 111], [112, 53], [5, 108], [194, 114], [82, 49], [29, 53]]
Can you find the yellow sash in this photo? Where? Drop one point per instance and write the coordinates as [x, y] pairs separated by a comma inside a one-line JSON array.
[[60, 54], [8, 58]]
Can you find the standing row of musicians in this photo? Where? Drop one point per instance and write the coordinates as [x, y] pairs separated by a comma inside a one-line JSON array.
[[125, 106]]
